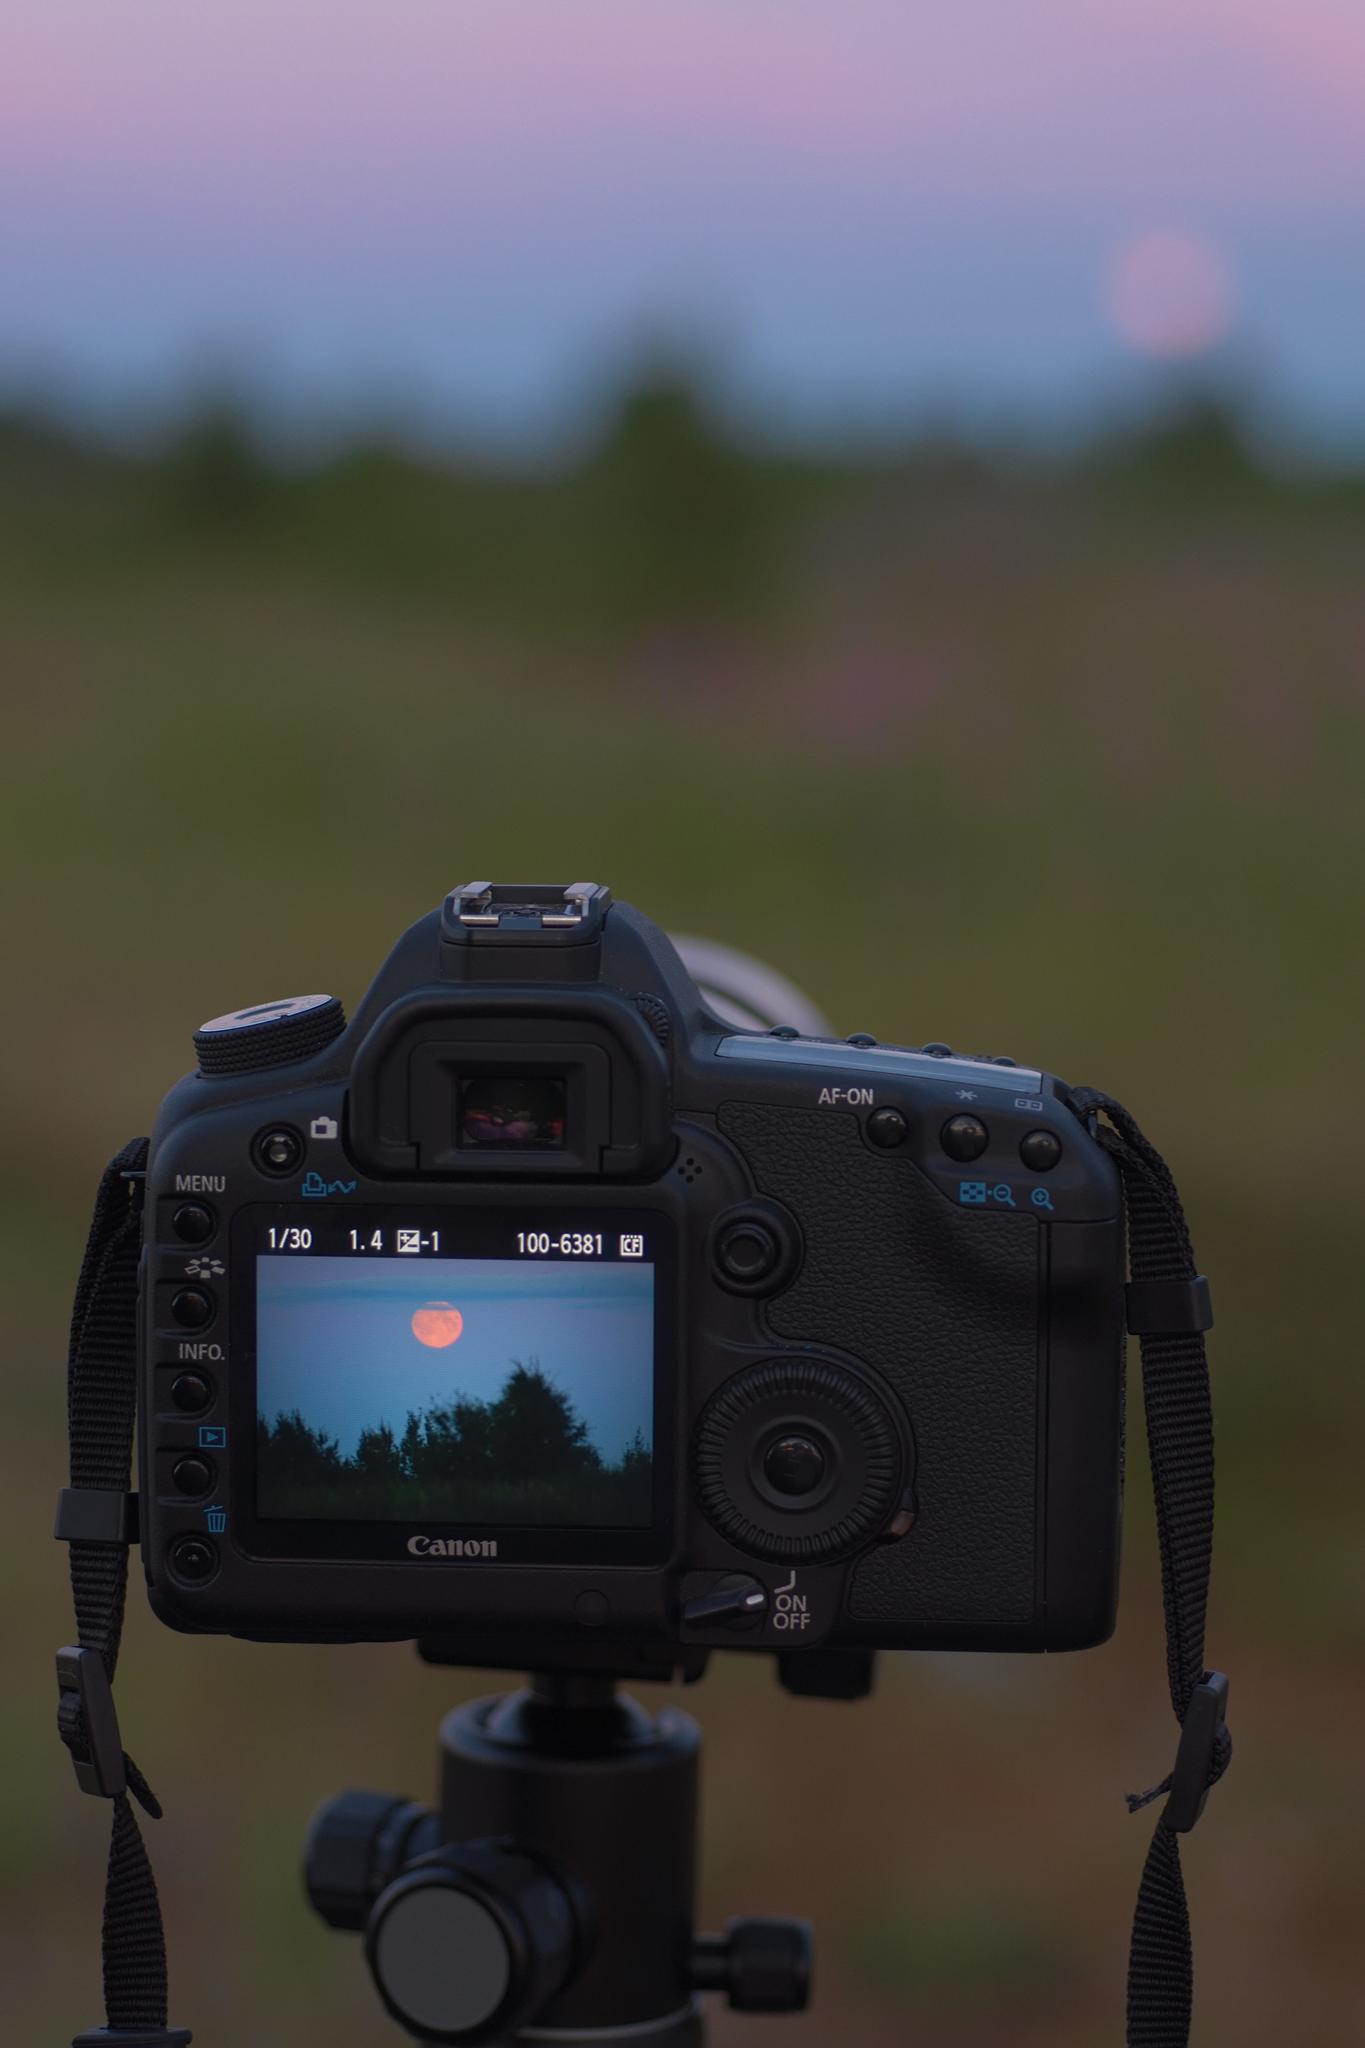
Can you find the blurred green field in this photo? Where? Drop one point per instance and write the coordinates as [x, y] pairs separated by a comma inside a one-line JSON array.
[[1064, 760]]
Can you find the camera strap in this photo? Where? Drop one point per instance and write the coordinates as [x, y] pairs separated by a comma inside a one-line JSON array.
[[1168, 1311], [97, 1518]]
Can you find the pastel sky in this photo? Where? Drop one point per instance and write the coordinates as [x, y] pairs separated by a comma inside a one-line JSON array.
[[335, 1340], [857, 206]]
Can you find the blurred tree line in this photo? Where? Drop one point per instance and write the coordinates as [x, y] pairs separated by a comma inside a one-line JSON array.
[[668, 519]]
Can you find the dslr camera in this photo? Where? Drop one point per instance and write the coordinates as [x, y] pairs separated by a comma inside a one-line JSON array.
[[544, 1314]]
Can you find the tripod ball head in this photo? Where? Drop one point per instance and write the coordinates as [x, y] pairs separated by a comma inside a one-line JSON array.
[[552, 1896]]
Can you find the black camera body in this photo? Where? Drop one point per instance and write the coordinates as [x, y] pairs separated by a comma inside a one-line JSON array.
[[542, 1315]]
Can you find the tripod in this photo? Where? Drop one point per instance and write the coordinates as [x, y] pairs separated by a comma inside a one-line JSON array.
[[551, 1898]]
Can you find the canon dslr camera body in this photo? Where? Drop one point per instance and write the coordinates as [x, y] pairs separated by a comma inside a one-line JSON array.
[[541, 1314]]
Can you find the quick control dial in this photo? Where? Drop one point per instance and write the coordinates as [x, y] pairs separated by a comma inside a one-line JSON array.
[[799, 1460]]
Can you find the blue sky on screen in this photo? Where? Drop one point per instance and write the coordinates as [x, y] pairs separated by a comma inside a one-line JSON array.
[[859, 206], [335, 1339]]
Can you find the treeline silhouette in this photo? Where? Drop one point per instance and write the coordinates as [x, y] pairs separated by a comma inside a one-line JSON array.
[[671, 514], [525, 1457]]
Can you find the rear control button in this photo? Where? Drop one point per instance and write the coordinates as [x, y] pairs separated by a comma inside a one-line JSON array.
[[192, 1307], [193, 1223], [964, 1138], [754, 1249], [278, 1150], [887, 1127], [192, 1476], [194, 1559], [939, 1051], [747, 1252], [794, 1465], [1040, 1151], [862, 1039], [191, 1392]]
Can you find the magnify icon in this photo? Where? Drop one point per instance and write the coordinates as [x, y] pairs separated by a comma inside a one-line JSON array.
[[1003, 1193], [1041, 1198]]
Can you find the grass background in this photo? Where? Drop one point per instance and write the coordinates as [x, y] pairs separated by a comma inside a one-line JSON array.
[[1060, 759]]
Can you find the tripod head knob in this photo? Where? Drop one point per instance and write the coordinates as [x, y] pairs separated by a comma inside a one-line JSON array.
[[760, 1965], [357, 1843], [471, 1942]]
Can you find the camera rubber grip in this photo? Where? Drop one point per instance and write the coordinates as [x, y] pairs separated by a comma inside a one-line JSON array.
[[945, 1305]]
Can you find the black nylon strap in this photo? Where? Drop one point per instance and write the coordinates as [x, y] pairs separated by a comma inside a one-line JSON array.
[[101, 1409], [1175, 1383]]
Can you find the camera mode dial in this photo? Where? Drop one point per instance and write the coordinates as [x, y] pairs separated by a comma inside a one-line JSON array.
[[268, 1035], [798, 1460]]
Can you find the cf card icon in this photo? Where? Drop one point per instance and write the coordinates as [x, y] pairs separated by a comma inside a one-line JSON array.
[[632, 1245], [323, 1127]]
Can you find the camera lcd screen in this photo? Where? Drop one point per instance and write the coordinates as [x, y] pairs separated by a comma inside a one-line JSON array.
[[396, 1384]]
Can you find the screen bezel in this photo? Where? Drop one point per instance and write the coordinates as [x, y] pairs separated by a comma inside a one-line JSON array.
[[385, 1542]]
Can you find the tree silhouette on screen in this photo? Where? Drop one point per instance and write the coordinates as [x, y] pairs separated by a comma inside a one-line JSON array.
[[527, 1456]]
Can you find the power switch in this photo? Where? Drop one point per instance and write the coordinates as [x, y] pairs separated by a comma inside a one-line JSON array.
[[736, 1598]]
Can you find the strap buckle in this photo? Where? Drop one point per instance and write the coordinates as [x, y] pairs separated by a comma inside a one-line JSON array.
[[1203, 1733], [1169, 1308], [96, 1514], [81, 1677]]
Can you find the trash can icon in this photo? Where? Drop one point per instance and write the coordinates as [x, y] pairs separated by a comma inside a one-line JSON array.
[[217, 1520]]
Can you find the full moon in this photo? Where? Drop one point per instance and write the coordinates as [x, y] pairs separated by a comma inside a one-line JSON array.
[[1170, 294], [436, 1323]]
